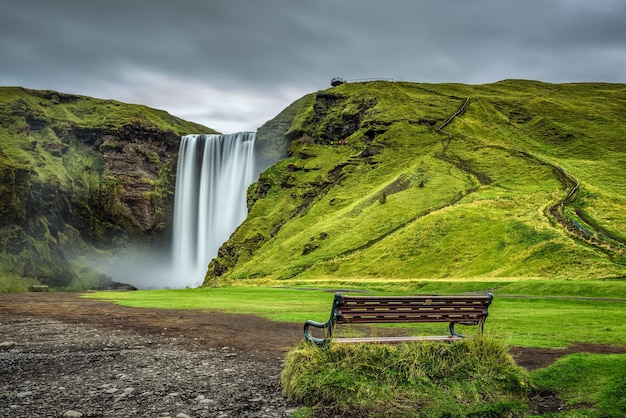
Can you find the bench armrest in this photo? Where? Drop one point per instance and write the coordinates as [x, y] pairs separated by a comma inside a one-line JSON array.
[[309, 337], [326, 326]]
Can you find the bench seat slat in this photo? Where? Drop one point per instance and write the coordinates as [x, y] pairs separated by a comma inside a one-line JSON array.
[[420, 301], [393, 312], [366, 320], [396, 340], [415, 317], [411, 300], [413, 305], [391, 309], [418, 297], [394, 315]]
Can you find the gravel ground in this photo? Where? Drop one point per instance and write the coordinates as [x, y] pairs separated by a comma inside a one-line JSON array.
[[54, 369]]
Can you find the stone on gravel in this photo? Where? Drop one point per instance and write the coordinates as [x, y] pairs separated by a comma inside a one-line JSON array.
[[7, 345]]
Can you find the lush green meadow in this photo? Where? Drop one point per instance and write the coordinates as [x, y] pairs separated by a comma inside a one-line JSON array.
[[529, 313], [596, 381]]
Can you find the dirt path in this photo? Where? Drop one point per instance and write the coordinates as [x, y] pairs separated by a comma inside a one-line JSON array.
[[63, 355], [191, 328]]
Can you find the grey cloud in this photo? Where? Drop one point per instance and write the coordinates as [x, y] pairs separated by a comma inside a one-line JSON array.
[[101, 48]]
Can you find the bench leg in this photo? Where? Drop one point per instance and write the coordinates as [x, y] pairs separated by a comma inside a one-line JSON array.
[[453, 332]]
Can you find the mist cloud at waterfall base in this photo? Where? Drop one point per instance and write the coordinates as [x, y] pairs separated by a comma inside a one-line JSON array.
[[149, 270]]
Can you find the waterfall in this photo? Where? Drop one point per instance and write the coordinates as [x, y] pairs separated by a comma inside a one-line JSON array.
[[214, 172]]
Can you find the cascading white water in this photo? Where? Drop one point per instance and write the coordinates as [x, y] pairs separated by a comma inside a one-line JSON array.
[[214, 172]]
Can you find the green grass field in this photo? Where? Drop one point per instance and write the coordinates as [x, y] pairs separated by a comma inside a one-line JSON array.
[[529, 313], [533, 313]]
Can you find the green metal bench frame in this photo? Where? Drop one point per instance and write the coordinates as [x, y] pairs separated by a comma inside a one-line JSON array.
[[464, 310]]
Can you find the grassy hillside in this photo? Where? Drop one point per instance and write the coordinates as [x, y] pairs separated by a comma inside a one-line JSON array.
[[40, 124], [79, 175], [527, 181]]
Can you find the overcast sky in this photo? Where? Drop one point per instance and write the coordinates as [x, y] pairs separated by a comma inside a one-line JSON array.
[[234, 64]]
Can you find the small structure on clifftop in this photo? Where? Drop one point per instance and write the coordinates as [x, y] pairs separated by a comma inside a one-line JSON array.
[[337, 81]]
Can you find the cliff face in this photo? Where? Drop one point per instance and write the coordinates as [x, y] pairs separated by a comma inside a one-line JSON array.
[[81, 176], [137, 179]]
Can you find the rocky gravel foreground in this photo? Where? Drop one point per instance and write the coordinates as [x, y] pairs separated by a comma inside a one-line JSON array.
[[55, 369]]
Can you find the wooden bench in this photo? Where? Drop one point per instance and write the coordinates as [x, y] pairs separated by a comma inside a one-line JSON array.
[[464, 310]]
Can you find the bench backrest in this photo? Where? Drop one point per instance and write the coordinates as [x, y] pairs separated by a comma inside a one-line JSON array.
[[470, 310]]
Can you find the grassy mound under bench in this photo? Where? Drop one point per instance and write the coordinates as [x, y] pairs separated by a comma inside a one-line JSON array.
[[473, 377]]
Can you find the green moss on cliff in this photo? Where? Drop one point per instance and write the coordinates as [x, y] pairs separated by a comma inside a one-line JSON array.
[[372, 188], [100, 167]]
